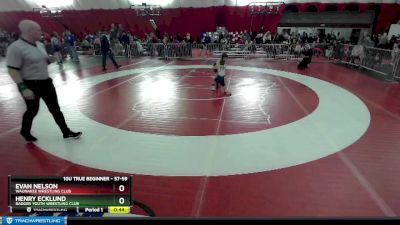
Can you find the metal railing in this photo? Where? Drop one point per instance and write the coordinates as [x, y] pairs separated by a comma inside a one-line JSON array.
[[381, 61], [384, 62], [182, 50], [281, 51]]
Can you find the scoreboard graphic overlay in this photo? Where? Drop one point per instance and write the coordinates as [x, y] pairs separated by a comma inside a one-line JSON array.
[[102, 194]]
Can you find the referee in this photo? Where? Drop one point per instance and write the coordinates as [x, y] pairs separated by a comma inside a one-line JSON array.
[[27, 62]]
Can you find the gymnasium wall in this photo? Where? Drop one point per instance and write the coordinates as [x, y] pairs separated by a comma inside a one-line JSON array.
[[173, 20]]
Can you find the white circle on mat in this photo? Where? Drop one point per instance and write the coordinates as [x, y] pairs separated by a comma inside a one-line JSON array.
[[340, 119]]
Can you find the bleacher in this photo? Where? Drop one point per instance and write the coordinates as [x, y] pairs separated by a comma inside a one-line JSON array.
[[271, 51]]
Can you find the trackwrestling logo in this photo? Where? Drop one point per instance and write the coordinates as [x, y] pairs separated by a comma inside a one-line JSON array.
[[35, 220]]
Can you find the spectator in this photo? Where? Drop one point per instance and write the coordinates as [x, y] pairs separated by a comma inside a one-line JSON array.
[[395, 53], [85, 45], [375, 39], [188, 38], [118, 49], [383, 39], [392, 41], [56, 46], [71, 45], [113, 33], [121, 30]]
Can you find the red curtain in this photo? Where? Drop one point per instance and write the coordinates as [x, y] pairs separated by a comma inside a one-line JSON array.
[[183, 20], [390, 14]]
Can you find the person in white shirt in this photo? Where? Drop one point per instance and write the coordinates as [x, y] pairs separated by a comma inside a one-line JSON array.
[[27, 62], [56, 45]]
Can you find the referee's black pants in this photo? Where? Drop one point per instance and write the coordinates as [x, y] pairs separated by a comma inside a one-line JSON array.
[[111, 55], [304, 63], [42, 89]]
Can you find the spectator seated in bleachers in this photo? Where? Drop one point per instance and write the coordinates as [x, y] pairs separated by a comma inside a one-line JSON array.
[[318, 51], [297, 49], [329, 53], [118, 49], [357, 54], [85, 45]]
